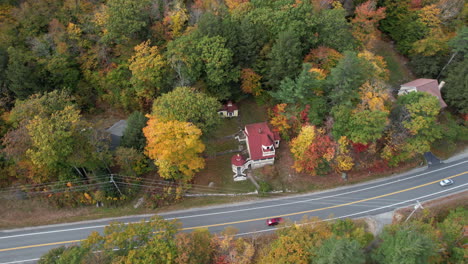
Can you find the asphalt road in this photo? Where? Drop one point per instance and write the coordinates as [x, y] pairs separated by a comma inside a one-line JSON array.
[[380, 196]]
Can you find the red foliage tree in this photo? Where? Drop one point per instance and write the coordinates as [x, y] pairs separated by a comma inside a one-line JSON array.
[[359, 147], [367, 16], [322, 149]]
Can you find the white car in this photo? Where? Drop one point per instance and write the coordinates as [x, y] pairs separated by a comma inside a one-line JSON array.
[[446, 182]]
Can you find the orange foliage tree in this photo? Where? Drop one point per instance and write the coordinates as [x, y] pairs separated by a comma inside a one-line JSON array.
[[367, 16], [280, 121], [251, 82], [175, 147], [323, 58]]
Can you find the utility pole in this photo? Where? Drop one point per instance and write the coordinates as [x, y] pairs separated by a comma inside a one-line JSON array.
[[416, 206], [115, 184]]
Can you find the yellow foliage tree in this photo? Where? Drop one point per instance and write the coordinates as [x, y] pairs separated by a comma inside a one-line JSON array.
[[343, 161], [379, 66], [148, 69], [175, 148], [373, 97], [178, 19], [301, 143]]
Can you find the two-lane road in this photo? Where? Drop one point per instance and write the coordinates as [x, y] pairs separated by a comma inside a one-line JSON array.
[[27, 245]]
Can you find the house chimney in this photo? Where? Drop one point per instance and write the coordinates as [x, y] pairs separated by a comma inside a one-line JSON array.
[[260, 130], [442, 83]]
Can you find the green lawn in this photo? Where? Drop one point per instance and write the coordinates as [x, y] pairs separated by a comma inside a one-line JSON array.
[[399, 72], [218, 170], [250, 112], [227, 127]]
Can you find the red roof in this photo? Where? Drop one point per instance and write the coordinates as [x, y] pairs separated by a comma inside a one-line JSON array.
[[257, 135], [237, 160], [229, 107], [430, 86]]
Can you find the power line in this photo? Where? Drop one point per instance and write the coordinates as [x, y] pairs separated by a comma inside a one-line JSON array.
[[44, 185], [154, 181]]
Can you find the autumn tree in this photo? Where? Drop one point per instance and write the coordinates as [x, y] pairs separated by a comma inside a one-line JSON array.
[[175, 147], [343, 160], [366, 123], [280, 120], [414, 127], [324, 58], [375, 66], [178, 18], [436, 40], [195, 247], [229, 249], [149, 70], [187, 105], [365, 21], [251, 82], [312, 150], [297, 243]]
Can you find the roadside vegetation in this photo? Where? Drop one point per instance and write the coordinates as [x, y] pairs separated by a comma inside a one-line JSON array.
[[427, 239], [319, 72]]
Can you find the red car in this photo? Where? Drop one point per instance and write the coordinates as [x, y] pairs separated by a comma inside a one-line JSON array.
[[274, 221]]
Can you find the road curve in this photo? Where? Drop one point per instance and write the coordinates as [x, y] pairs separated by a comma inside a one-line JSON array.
[[28, 244]]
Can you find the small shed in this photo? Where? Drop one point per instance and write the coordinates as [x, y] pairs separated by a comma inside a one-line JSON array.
[[116, 132], [229, 110], [239, 165]]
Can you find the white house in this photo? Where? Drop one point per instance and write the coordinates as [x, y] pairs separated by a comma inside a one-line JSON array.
[[261, 145], [430, 86]]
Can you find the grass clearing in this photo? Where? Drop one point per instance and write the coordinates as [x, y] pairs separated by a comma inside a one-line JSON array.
[[396, 64], [228, 126], [250, 112], [218, 170]]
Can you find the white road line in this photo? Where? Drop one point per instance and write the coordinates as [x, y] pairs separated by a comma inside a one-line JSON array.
[[362, 212], [245, 209], [345, 216], [20, 261]]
